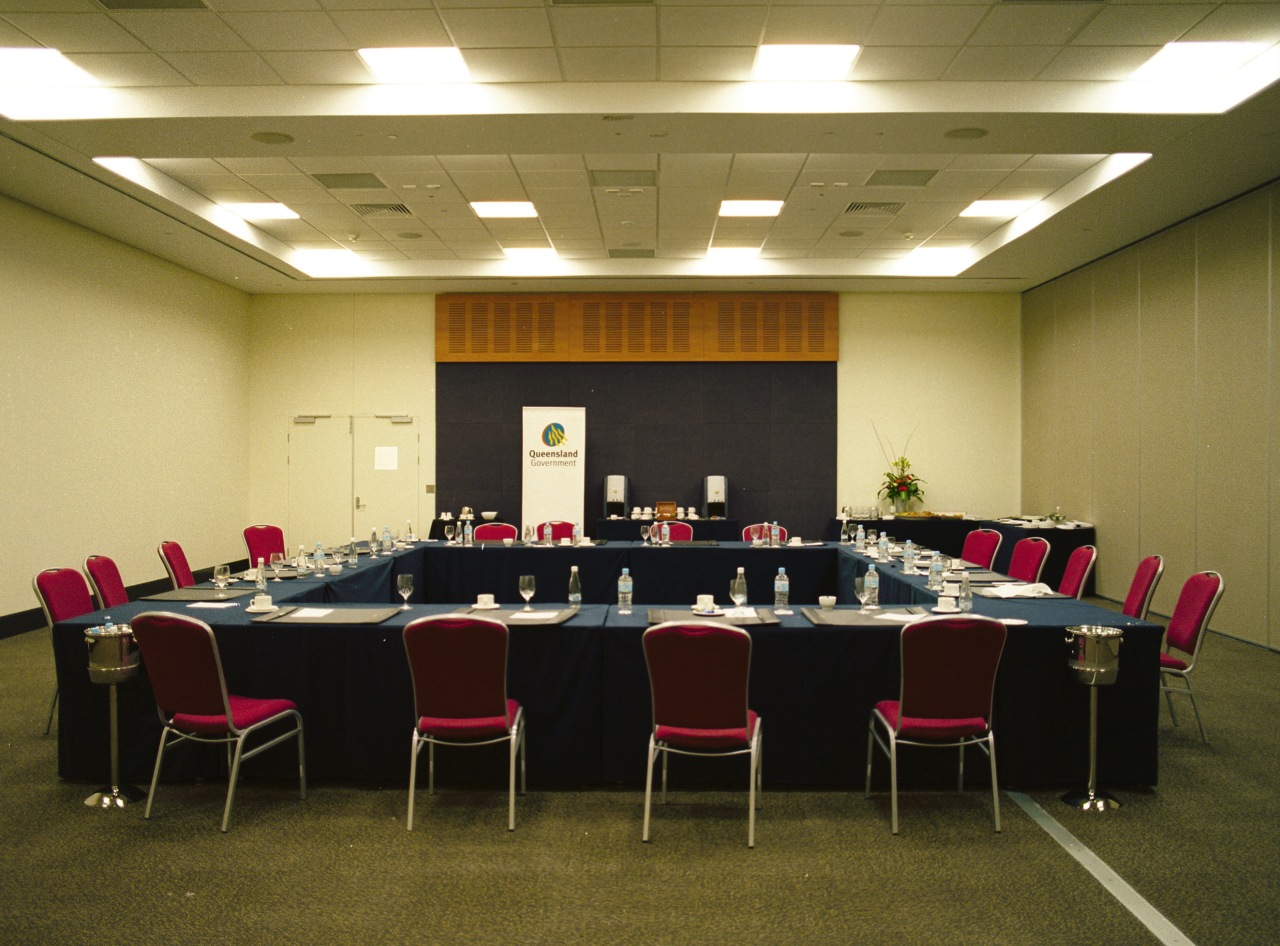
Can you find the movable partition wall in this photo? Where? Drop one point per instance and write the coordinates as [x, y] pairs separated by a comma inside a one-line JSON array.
[[749, 395]]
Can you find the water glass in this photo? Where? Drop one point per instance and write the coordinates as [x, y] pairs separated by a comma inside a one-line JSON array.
[[221, 576], [527, 585], [404, 585]]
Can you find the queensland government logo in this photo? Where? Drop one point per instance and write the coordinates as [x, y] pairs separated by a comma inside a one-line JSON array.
[[553, 435]]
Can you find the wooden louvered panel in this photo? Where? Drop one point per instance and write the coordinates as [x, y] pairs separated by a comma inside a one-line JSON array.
[[638, 327]]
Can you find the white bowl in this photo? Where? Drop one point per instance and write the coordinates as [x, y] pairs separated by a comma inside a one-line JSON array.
[[488, 516]]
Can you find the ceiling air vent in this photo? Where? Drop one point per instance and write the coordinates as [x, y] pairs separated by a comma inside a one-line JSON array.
[[900, 178], [865, 208], [381, 210], [349, 181]]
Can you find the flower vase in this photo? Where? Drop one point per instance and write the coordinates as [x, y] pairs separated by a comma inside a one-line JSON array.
[[900, 504]]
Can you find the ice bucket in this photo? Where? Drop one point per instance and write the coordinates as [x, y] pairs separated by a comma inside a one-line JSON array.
[[113, 654], [1095, 653]]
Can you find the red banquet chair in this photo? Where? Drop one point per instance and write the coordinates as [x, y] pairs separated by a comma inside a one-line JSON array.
[[1143, 588], [175, 563], [459, 671], [63, 594], [679, 531], [560, 529], [1196, 603], [764, 528], [185, 668], [261, 540], [981, 546], [698, 673], [1076, 575], [1029, 556], [104, 579], [495, 532], [948, 670]]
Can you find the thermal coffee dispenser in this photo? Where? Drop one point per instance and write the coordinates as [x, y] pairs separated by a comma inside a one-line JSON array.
[[615, 495], [715, 497]]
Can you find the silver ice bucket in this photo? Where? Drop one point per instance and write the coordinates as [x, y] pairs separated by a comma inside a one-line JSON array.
[[1095, 653], [113, 653]]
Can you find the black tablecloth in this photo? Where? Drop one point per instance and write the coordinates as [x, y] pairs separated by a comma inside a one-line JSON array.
[[628, 530]]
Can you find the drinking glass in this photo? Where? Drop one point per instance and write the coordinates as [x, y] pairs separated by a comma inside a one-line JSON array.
[[527, 586], [528, 534], [738, 591], [644, 534], [404, 585], [448, 532], [753, 533], [860, 590], [276, 563], [221, 576]]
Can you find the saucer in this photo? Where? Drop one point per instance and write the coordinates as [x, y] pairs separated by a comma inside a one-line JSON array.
[[252, 610], [717, 612], [945, 610], [1012, 622], [486, 607]]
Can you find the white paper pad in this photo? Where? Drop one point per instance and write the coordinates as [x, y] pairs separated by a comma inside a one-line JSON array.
[[534, 615], [898, 616], [212, 604], [1018, 591], [312, 613], [740, 612]]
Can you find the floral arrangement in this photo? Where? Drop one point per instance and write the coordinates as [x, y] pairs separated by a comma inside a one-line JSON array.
[[900, 485]]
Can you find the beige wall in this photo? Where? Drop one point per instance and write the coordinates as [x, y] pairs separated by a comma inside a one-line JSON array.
[[1152, 407], [946, 367], [124, 407], [353, 355]]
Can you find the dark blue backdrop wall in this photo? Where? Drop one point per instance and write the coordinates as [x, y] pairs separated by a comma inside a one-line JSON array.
[[770, 427]]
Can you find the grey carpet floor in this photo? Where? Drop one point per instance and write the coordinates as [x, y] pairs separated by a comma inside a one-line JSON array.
[[340, 867]]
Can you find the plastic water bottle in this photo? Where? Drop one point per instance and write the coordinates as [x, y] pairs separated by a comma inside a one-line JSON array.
[[966, 593], [738, 588], [352, 554], [300, 563], [626, 588], [388, 543], [883, 546], [871, 585], [577, 534], [781, 592], [468, 534], [107, 623], [546, 533], [260, 577], [935, 573], [575, 588], [666, 533], [319, 557], [373, 542], [775, 534], [860, 539], [909, 557]]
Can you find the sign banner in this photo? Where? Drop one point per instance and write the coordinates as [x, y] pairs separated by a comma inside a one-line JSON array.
[[554, 445]]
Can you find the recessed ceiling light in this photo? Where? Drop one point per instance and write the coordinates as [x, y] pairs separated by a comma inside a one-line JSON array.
[[261, 211], [790, 63], [750, 208], [503, 208], [733, 252], [41, 68], [530, 253], [1196, 62], [996, 208], [409, 64]]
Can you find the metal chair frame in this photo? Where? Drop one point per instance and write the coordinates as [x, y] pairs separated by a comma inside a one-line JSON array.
[[48, 618], [995, 549], [1034, 540], [755, 790], [1145, 605], [168, 565], [93, 566], [1084, 578], [1172, 673]]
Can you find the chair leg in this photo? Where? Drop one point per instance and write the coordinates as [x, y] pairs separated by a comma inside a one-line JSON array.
[[414, 747], [893, 782], [664, 777], [302, 764], [960, 782], [751, 792], [524, 750], [53, 705], [1196, 709], [870, 740], [513, 749], [648, 789], [155, 774], [1168, 699], [231, 784], [431, 768], [995, 784]]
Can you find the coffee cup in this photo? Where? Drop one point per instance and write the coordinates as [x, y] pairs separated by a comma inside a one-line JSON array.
[[261, 602], [335, 569], [508, 541], [947, 603], [706, 602], [795, 540], [827, 602], [484, 601], [951, 588], [566, 541]]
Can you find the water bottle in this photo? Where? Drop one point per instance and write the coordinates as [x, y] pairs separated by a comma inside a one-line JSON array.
[[319, 557], [107, 623], [575, 588], [871, 585], [781, 592], [546, 533], [883, 546], [577, 534], [260, 577], [626, 587], [373, 542], [738, 588], [775, 534], [408, 531], [909, 557], [966, 593], [860, 539], [935, 573], [388, 543], [352, 554], [468, 534], [666, 533], [300, 563]]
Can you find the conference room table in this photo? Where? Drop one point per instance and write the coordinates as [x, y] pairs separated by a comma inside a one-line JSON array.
[[626, 529], [584, 685]]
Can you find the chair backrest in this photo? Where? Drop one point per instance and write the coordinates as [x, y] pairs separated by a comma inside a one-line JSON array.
[[175, 563], [764, 534], [63, 594], [182, 661], [495, 531], [104, 579], [698, 673], [1143, 587], [679, 531], [458, 666], [559, 529], [949, 667], [1076, 575], [261, 540], [1196, 603], [981, 546], [1027, 561]]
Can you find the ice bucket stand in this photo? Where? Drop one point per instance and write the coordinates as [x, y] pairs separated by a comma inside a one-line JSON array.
[[113, 659], [1096, 659]]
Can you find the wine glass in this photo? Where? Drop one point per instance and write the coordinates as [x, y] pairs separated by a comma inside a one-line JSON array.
[[527, 586], [404, 585], [860, 590], [528, 533], [221, 576], [753, 532], [448, 532], [738, 591], [277, 562], [644, 534]]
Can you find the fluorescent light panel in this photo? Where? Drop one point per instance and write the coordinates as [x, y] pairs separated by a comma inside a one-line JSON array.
[[800, 63], [733, 252], [1197, 62], [401, 65], [530, 253], [996, 208], [750, 208], [503, 208], [40, 68], [261, 211]]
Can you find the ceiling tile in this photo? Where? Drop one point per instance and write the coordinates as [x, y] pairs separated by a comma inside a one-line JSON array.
[[420, 27], [490, 29], [1242, 22], [1020, 24], [696, 64], [182, 31], [513, 65], [1146, 24], [1098, 63], [610, 64], [318, 68], [461, 163], [923, 63], [76, 32], [711, 26], [604, 26], [129, 69], [224, 68], [819, 24], [291, 31], [921, 25], [1000, 63]]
